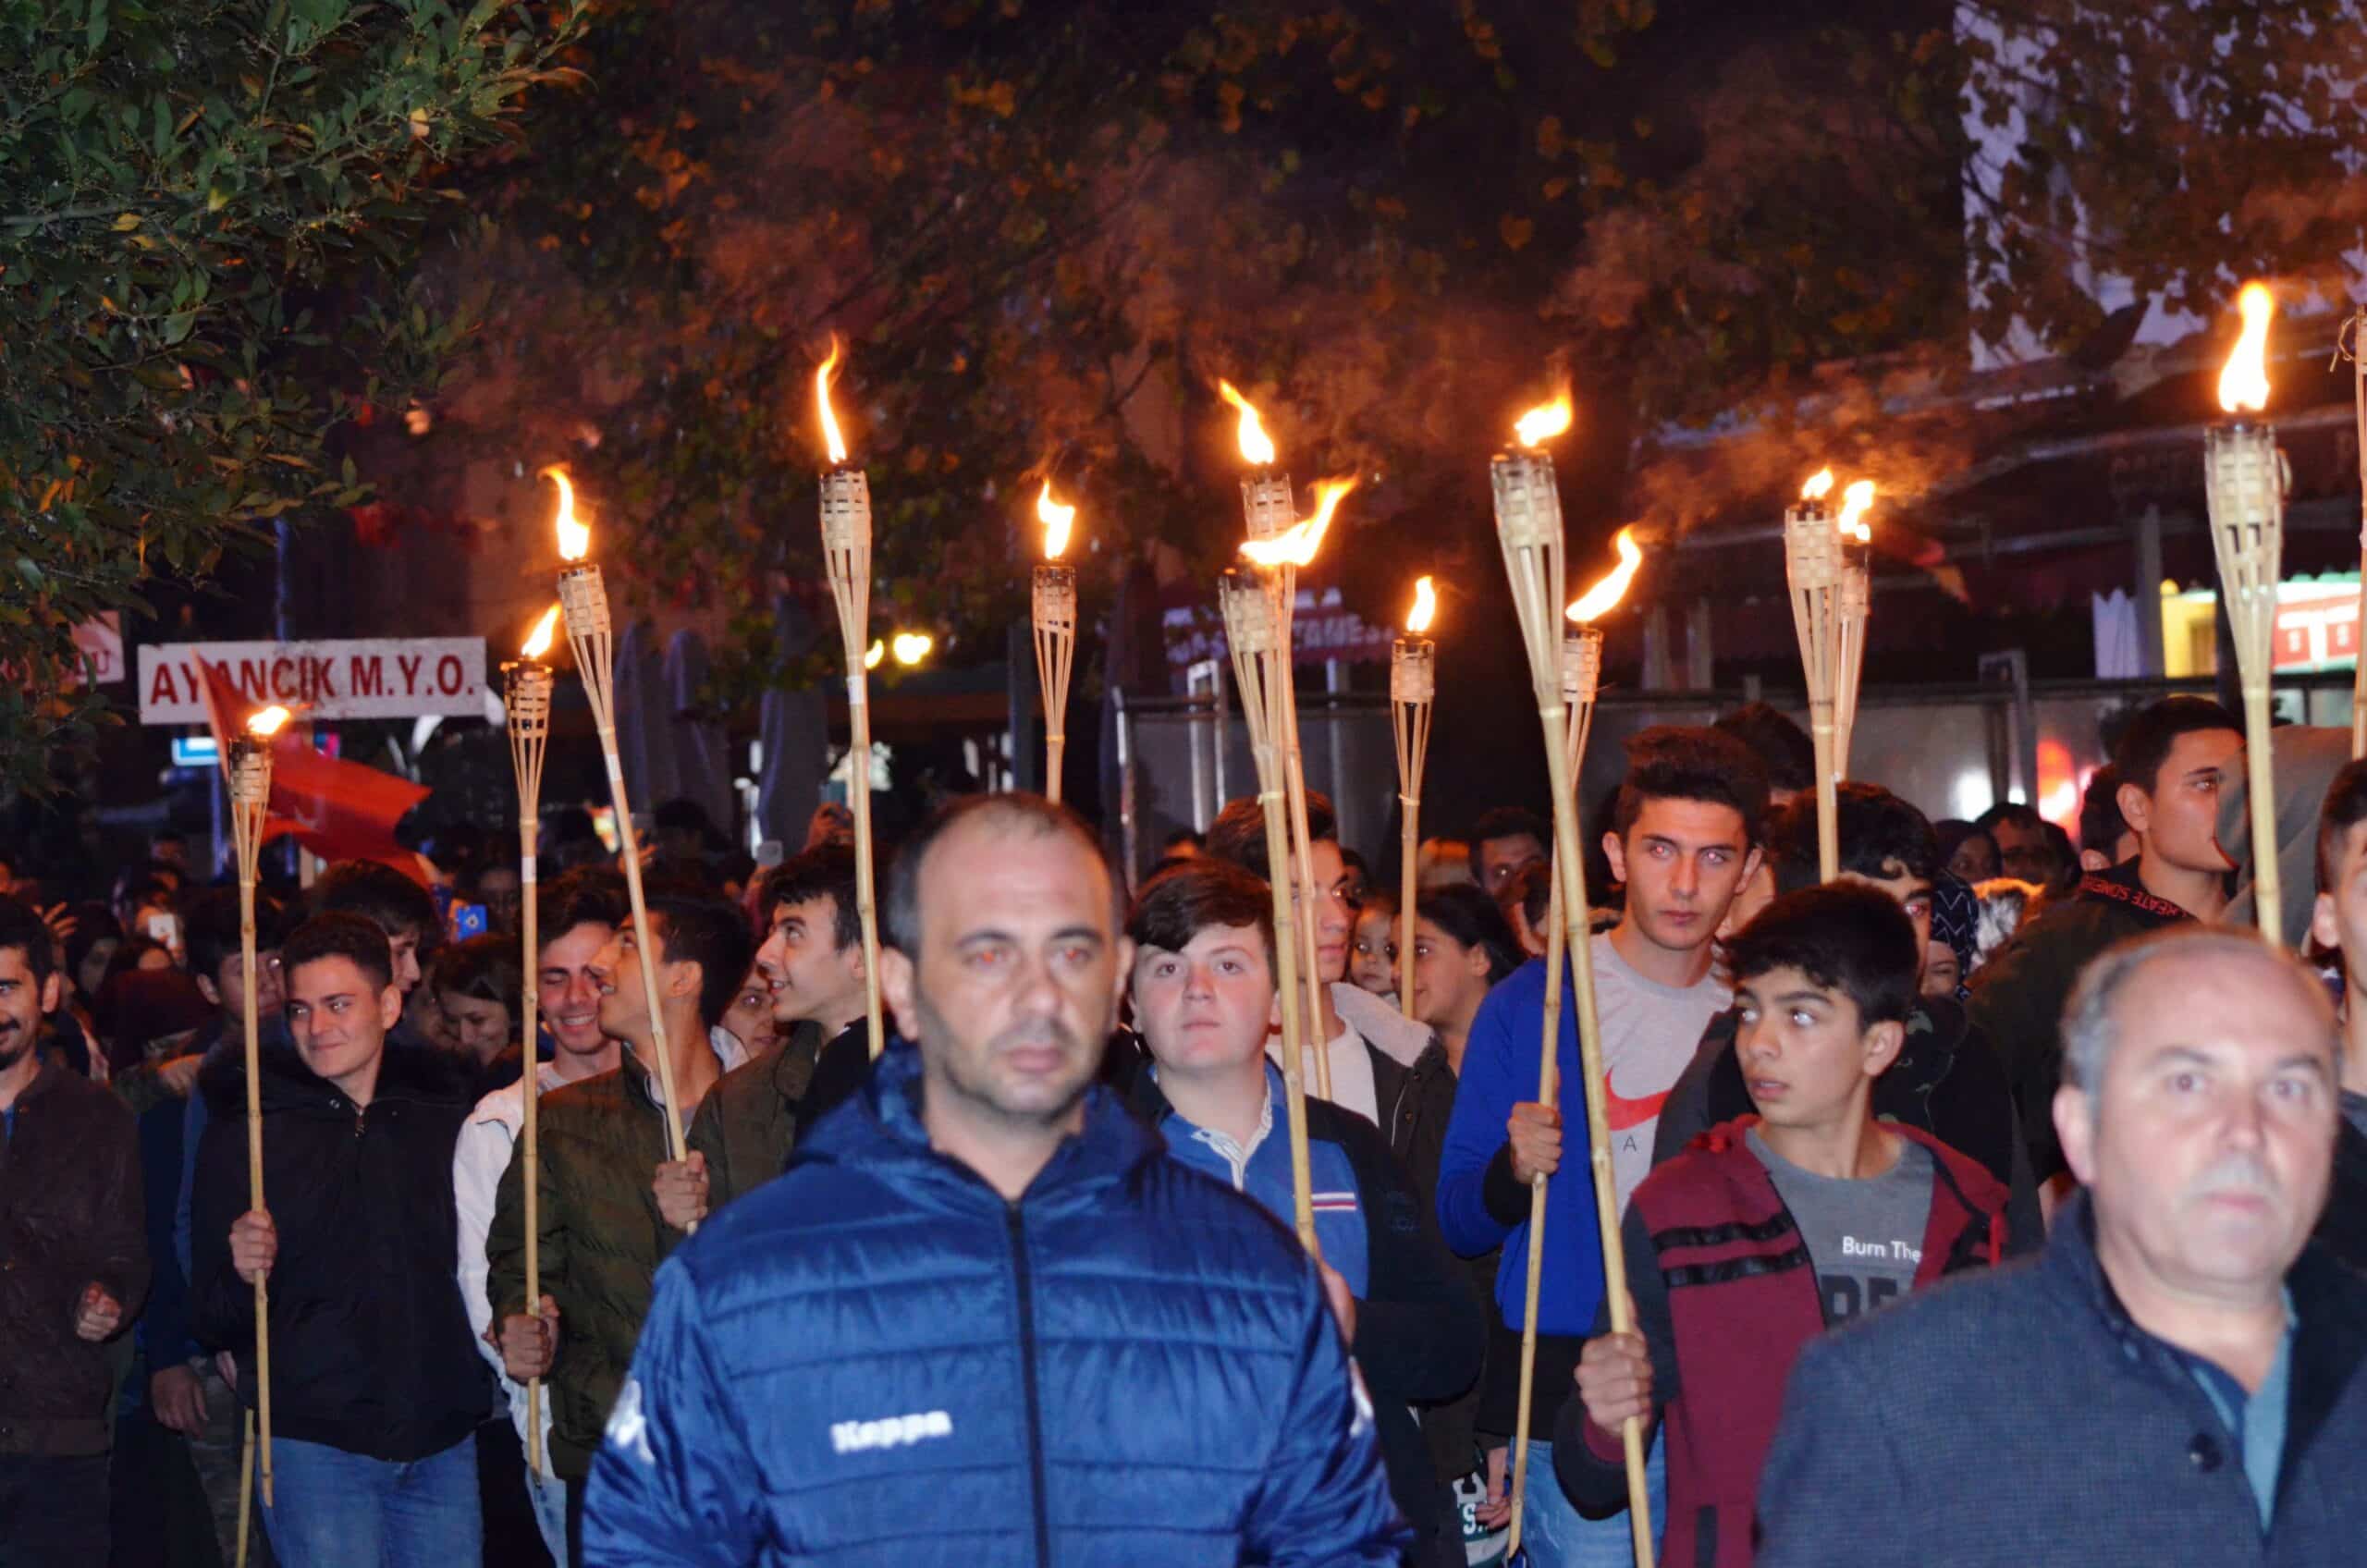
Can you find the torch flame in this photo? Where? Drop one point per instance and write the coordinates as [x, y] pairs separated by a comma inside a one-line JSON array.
[[1425, 605], [2243, 385], [1819, 486], [1544, 422], [1056, 519], [913, 646], [575, 538], [266, 723], [1256, 447], [1854, 503], [1598, 600], [834, 443], [540, 643], [1297, 545], [873, 653]]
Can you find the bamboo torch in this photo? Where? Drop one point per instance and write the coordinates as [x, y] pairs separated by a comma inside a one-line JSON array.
[[1258, 647], [1412, 690], [2346, 345], [249, 769], [526, 693], [1852, 605], [846, 544], [1529, 527], [583, 597], [2245, 479], [1812, 566], [1055, 615], [1271, 510]]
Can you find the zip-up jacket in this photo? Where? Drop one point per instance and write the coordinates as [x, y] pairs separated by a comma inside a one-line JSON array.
[[877, 1357], [748, 1122], [369, 1345], [1725, 1297]]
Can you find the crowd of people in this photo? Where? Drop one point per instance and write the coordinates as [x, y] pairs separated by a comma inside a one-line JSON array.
[[1994, 1201]]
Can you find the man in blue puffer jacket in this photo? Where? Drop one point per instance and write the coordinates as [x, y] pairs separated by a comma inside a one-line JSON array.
[[983, 1319]]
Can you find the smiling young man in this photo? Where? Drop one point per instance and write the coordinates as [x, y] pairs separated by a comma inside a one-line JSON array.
[[376, 1393], [1685, 838], [1776, 1226]]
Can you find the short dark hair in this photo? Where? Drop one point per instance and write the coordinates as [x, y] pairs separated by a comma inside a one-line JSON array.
[[1844, 938], [378, 894], [713, 936], [1239, 832], [900, 918], [1506, 822], [2144, 745], [1882, 835], [587, 896], [1673, 761], [486, 967], [2101, 824], [21, 927], [1472, 919], [825, 871], [213, 929], [341, 933], [2020, 814], [1782, 747], [1185, 899], [2345, 808]]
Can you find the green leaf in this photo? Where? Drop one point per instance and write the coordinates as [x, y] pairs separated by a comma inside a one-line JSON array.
[[94, 31]]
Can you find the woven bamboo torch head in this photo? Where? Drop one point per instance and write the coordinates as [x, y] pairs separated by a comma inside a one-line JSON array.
[[1812, 554], [526, 695], [1055, 596], [1248, 612], [1581, 664]]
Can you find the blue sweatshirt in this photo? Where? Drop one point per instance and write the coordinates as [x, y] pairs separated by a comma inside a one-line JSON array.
[[1480, 1206]]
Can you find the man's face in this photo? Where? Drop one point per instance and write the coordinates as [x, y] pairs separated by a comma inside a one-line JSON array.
[[568, 993], [474, 1026], [1013, 992], [1976, 859], [2178, 818], [615, 968], [1803, 1052], [1913, 893], [2022, 850], [404, 945], [1206, 1009], [1683, 861], [1499, 858], [750, 1016], [339, 1016], [23, 1002], [1943, 972], [2209, 1145], [1373, 966], [230, 984], [1335, 910], [498, 890], [2340, 918], [809, 975]]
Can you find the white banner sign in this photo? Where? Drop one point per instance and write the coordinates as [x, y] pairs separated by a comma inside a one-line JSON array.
[[351, 678], [100, 641]]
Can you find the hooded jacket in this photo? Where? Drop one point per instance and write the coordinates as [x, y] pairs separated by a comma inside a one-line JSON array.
[[876, 1356], [369, 1342]]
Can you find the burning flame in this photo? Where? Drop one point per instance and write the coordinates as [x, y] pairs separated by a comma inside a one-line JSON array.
[[1544, 422], [873, 653], [1819, 486], [1056, 519], [1297, 545], [1856, 501], [1599, 599], [834, 443], [575, 538], [266, 723], [540, 643], [1256, 447], [1425, 605], [911, 647], [2243, 385]]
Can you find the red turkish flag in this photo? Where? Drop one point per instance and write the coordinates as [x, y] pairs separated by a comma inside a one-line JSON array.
[[338, 810]]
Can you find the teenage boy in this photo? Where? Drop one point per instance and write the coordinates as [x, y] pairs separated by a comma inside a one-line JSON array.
[[1203, 989], [2341, 924], [1685, 838], [1776, 1226]]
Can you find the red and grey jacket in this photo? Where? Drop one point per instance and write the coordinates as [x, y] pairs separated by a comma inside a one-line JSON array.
[[1726, 1297]]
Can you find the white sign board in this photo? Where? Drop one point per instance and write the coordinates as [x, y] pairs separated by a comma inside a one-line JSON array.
[[100, 641], [349, 677]]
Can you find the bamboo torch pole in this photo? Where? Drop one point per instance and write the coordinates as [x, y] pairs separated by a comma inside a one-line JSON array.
[[1412, 691], [2245, 478], [1812, 567], [846, 548], [2346, 345], [583, 598], [527, 702], [1055, 618], [1258, 647], [1852, 605], [1529, 527], [250, 771]]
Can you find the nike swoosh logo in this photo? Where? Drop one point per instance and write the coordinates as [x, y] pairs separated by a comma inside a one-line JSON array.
[[1623, 1113]]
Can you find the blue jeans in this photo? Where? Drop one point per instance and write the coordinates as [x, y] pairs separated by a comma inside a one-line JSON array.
[[1553, 1535], [338, 1510]]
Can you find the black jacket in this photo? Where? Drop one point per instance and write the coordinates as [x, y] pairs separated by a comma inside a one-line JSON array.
[[2342, 1228], [370, 1351]]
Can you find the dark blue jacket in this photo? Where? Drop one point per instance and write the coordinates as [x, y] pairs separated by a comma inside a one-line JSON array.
[[877, 1357], [2019, 1419]]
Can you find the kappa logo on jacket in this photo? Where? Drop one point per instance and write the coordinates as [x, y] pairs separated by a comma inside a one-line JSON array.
[[894, 1431]]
